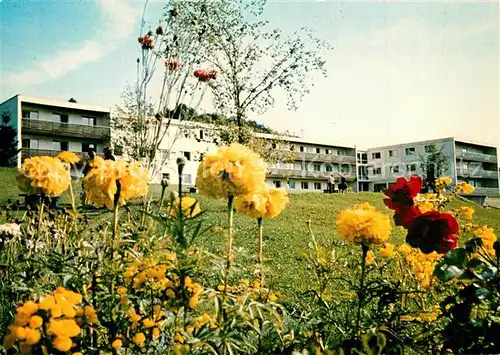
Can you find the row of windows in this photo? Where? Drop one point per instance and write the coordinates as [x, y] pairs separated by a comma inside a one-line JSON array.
[[394, 153], [186, 178], [304, 185], [60, 117], [410, 168], [56, 145], [304, 149]]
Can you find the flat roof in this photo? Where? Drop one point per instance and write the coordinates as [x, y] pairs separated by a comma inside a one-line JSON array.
[[60, 103], [306, 141]]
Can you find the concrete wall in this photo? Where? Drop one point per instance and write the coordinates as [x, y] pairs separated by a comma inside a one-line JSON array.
[[12, 107]]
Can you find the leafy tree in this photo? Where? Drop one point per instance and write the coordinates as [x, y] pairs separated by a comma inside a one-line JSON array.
[[8, 142], [250, 59], [434, 164]]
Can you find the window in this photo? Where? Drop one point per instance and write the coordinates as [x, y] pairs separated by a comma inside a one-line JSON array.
[[328, 151], [411, 168], [187, 155], [26, 143], [30, 143], [60, 146], [87, 147], [317, 186], [427, 148], [377, 171], [58, 117], [328, 168], [465, 167], [274, 145], [277, 184], [410, 151], [292, 147], [393, 153], [304, 185], [395, 169], [64, 118], [340, 152], [291, 185], [186, 178], [302, 149], [318, 150], [32, 115], [317, 167], [165, 176], [304, 167], [89, 121], [201, 134], [376, 155], [345, 168]]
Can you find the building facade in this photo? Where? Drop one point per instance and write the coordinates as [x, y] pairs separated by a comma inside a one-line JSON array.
[[46, 127], [474, 163]]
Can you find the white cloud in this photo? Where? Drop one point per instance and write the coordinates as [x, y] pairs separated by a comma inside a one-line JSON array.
[[120, 20]]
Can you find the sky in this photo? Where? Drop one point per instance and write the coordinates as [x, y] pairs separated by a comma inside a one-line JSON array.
[[398, 71]]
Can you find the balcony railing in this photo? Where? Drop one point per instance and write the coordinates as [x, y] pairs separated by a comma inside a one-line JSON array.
[[65, 129], [486, 158], [306, 174], [28, 153], [477, 173]]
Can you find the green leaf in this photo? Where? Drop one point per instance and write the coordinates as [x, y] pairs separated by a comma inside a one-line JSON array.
[[482, 293], [446, 272], [456, 257], [472, 245]]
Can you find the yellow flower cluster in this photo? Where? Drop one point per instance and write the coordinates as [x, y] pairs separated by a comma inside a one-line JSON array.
[[467, 212], [488, 237], [255, 290], [464, 187], [68, 157], [43, 174], [58, 316], [101, 183], [190, 207], [442, 184], [205, 318], [264, 203], [422, 265], [231, 171], [364, 225], [428, 202]]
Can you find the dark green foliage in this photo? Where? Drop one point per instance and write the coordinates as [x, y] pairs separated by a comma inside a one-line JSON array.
[[8, 142]]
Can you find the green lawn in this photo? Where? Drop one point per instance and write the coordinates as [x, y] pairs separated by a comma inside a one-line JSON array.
[[285, 237]]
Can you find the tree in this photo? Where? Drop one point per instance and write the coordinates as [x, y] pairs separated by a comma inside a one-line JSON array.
[[250, 59], [434, 164], [72, 100], [8, 142]]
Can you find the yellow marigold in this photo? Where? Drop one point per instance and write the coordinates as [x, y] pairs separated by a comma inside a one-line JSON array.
[[468, 212], [32, 336], [116, 344], [364, 225], [464, 187], [190, 207], [263, 203], [28, 308], [231, 171], [101, 182], [370, 257], [148, 323], [444, 181], [63, 328], [156, 333], [488, 237], [43, 174], [35, 322], [68, 157], [426, 202], [121, 290], [139, 338], [387, 251], [47, 302], [193, 301], [62, 343]]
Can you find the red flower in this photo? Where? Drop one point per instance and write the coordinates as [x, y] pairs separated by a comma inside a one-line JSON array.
[[147, 42], [433, 231], [402, 193], [173, 64], [204, 75], [405, 217]]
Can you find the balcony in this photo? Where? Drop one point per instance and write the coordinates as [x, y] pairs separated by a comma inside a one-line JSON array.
[[477, 173], [64, 129], [306, 174], [28, 153], [485, 158], [317, 157]]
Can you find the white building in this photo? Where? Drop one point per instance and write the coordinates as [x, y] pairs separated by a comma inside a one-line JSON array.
[[46, 127]]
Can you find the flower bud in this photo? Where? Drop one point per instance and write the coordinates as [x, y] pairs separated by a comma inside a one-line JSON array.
[[159, 30], [181, 162], [165, 183]]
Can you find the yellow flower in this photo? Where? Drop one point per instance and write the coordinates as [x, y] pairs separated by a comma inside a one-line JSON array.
[[28, 308], [32, 336], [464, 187], [68, 157], [468, 212], [101, 183], [444, 181], [47, 302], [116, 344], [272, 297], [190, 207], [139, 338], [35, 322], [231, 171], [178, 338], [370, 257], [156, 333], [364, 225], [170, 293], [263, 203], [121, 290], [64, 328], [423, 265], [387, 251], [43, 174], [62, 343], [488, 237], [193, 302], [148, 323]]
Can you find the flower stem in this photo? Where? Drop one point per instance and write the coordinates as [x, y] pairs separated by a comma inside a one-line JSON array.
[[229, 242], [361, 292], [116, 216], [259, 255], [73, 204]]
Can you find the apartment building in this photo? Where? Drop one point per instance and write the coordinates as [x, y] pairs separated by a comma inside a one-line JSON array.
[[472, 162], [46, 127], [306, 165]]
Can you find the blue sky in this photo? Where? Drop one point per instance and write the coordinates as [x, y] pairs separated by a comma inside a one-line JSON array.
[[398, 71]]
